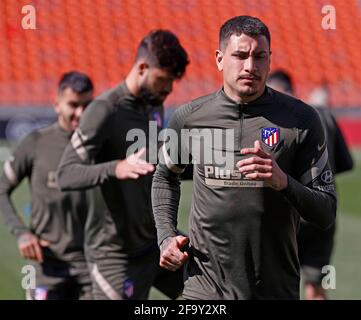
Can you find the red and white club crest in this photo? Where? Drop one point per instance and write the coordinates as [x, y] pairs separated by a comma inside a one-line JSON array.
[[270, 136]]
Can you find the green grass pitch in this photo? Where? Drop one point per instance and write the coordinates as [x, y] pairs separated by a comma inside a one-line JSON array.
[[346, 258]]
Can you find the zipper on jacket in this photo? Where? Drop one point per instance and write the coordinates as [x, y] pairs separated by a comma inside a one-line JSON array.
[[241, 106]]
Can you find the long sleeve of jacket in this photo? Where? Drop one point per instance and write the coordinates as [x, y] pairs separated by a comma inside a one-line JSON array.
[[16, 168], [77, 168], [166, 180]]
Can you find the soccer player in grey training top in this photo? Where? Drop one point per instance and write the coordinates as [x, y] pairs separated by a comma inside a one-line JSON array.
[[314, 244], [121, 239], [54, 240], [245, 213]]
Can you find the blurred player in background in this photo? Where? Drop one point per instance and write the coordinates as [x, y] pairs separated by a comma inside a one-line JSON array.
[[314, 244], [54, 240], [121, 239], [245, 215]]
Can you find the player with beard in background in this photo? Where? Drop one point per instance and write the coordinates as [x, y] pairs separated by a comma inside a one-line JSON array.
[[121, 239]]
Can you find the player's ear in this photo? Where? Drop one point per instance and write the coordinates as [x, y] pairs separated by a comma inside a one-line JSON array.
[[56, 103], [142, 67], [219, 60]]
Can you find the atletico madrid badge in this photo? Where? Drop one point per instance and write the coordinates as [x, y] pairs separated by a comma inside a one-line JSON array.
[[128, 289], [270, 136]]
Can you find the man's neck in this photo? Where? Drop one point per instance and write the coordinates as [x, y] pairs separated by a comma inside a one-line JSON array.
[[64, 127], [242, 99], [131, 83]]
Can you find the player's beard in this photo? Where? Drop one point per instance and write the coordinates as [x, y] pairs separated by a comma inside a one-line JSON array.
[[150, 97], [249, 90], [74, 123], [71, 122]]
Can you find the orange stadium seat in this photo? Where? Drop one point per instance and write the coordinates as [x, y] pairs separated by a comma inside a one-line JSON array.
[[101, 39]]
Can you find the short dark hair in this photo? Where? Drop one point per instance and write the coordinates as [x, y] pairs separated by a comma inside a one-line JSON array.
[[250, 26], [77, 81], [161, 48], [282, 77]]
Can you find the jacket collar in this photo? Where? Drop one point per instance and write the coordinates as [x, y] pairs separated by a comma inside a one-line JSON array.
[[265, 98]]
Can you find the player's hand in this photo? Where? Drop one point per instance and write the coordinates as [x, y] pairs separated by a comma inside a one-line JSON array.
[[171, 256], [314, 292], [133, 167], [30, 247], [262, 167]]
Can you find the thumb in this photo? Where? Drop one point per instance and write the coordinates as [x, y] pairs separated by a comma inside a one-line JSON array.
[[257, 145], [181, 241], [44, 243]]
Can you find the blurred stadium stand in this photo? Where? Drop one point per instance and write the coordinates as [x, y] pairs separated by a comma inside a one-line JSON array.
[[99, 37]]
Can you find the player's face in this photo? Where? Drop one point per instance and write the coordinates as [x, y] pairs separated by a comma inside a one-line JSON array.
[[245, 64], [69, 106], [157, 85]]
